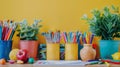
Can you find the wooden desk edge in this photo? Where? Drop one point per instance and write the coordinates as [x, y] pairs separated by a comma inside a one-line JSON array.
[[31, 65]]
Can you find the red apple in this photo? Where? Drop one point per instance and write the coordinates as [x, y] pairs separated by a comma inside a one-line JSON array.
[[22, 55]]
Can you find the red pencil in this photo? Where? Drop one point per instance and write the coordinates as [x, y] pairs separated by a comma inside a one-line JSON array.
[[8, 34], [74, 38]]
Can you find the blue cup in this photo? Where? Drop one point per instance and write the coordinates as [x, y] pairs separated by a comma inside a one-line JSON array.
[[5, 48], [79, 48]]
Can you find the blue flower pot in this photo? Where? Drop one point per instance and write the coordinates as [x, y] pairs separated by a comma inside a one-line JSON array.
[[5, 48], [108, 47]]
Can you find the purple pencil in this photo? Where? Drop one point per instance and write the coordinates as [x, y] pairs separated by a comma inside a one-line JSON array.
[[91, 38]]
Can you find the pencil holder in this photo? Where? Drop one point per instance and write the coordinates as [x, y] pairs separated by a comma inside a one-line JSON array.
[[53, 51], [62, 52], [87, 52], [5, 48], [71, 51], [42, 52]]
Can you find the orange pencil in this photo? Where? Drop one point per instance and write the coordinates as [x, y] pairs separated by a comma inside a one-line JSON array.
[[9, 33]]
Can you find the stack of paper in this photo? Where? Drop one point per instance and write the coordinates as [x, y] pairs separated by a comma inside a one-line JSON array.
[[61, 62]]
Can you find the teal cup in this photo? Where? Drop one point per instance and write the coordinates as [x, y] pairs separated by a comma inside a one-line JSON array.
[[108, 47]]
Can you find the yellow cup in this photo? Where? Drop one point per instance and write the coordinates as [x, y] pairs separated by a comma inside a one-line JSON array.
[[71, 51], [53, 51]]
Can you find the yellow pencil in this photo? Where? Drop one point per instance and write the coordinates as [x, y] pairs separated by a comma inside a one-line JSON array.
[[87, 38]]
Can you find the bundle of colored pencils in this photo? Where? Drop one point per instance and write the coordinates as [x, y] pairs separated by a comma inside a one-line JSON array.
[[71, 37], [52, 37], [87, 38], [7, 30]]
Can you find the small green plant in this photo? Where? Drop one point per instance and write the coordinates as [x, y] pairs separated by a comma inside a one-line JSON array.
[[105, 23], [29, 32]]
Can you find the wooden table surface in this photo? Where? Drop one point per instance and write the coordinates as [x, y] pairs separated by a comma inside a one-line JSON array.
[[31, 65]]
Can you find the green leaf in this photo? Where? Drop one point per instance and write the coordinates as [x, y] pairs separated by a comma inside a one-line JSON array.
[[27, 32], [104, 23]]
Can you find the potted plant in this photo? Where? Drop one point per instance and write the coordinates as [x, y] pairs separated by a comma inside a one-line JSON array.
[[28, 37], [105, 24]]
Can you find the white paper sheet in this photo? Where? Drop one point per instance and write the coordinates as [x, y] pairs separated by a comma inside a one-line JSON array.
[[60, 62]]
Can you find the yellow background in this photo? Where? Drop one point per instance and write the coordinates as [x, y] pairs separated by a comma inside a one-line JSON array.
[[61, 15]]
